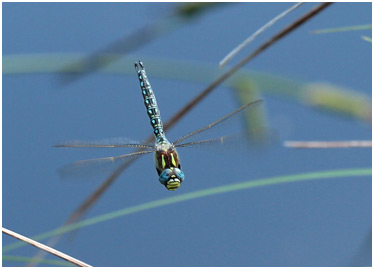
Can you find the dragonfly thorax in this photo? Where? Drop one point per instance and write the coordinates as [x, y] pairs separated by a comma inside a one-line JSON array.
[[168, 166], [165, 145]]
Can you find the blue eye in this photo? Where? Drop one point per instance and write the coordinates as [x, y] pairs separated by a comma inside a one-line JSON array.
[[164, 176], [179, 174], [171, 178]]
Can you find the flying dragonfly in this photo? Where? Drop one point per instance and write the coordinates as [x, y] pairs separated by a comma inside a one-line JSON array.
[[167, 158]]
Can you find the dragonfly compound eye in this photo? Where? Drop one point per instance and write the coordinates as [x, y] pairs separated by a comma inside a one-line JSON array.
[[179, 174], [164, 176], [171, 178]]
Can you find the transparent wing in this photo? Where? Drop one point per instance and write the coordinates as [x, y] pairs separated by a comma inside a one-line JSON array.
[[116, 142], [235, 142], [223, 124], [215, 143], [95, 167]]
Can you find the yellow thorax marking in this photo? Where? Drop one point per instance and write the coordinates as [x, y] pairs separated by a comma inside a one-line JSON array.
[[173, 160], [163, 161]]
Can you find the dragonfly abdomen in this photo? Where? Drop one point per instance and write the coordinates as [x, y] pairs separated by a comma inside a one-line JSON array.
[[150, 103]]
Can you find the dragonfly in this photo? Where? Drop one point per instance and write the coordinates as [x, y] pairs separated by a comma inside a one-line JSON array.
[[167, 158]]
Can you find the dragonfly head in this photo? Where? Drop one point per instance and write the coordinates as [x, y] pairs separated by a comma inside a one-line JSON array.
[[171, 178]]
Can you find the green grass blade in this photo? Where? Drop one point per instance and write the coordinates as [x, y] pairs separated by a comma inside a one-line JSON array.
[[199, 194], [28, 259], [366, 38], [337, 99], [343, 29], [193, 9], [196, 72]]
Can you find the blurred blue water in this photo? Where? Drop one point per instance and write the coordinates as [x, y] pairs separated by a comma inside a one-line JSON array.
[[319, 223]]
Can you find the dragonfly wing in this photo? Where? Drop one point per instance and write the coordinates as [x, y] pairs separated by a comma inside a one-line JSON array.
[[224, 124], [235, 142], [116, 142], [95, 167]]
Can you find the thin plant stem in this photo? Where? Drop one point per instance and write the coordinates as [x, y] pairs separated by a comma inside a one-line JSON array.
[[45, 248], [328, 144], [235, 51], [343, 29]]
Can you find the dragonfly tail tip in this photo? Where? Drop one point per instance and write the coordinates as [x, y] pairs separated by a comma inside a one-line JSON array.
[[139, 64]]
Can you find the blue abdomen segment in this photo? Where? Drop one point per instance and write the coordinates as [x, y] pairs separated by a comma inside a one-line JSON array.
[[150, 103]]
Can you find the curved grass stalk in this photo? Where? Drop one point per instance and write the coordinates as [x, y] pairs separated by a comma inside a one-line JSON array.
[[199, 194]]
